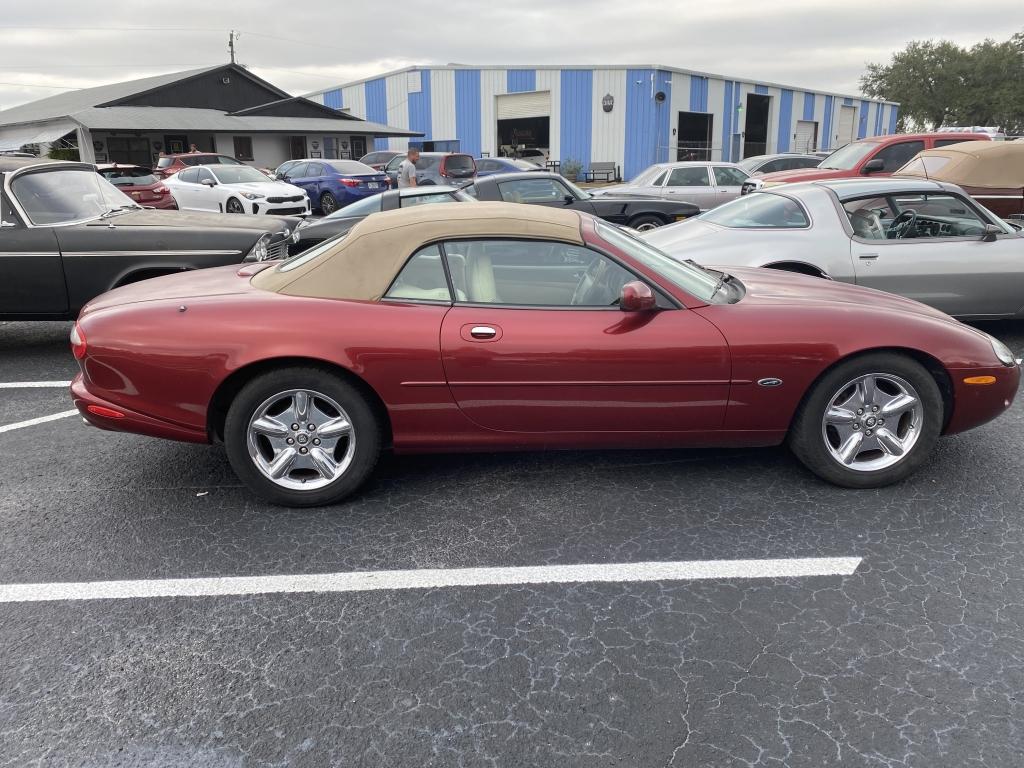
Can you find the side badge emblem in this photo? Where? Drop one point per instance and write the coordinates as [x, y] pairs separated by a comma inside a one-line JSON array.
[[769, 382]]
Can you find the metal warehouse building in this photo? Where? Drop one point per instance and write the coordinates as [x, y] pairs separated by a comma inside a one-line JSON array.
[[633, 116]]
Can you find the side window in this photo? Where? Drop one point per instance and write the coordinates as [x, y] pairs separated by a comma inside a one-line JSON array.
[[189, 175], [897, 155], [870, 217], [394, 162], [533, 273], [773, 165], [486, 166], [422, 278], [204, 175], [532, 191], [729, 177], [411, 200], [692, 176], [298, 171], [660, 180], [942, 215], [314, 169]]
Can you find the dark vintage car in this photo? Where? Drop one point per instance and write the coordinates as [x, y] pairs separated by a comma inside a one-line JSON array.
[[555, 191], [67, 235], [315, 232]]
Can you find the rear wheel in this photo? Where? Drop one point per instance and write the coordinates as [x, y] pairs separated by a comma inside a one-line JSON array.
[[234, 206], [645, 223], [301, 437], [328, 204], [869, 422]]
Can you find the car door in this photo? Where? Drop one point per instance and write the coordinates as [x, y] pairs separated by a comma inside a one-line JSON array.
[[548, 191], [896, 155], [207, 197], [728, 182], [296, 174], [691, 184], [184, 188], [535, 343], [314, 176], [947, 263], [31, 263]]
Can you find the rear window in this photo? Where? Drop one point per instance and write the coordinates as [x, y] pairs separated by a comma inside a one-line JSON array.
[[363, 207], [459, 163], [923, 166], [759, 211], [426, 163], [351, 167], [164, 162], [128, 177]]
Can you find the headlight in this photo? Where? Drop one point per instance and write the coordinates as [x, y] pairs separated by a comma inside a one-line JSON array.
[[1003, 353], [295, 236], [260, 251], [252, 196]]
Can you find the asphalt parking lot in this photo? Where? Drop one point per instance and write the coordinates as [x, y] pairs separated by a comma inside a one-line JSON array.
[[916, 658]]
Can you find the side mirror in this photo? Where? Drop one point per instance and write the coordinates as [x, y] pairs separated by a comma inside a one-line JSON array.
[[873, 166], [569, 199], [208, 183], [636, 297], [991, 233]]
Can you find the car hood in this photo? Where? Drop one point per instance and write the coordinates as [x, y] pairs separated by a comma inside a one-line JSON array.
[[268, 188], [146, 217], [805, 174], [182, 287], [775, 286]]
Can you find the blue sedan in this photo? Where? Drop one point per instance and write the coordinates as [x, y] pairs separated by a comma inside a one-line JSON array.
[[333, 184], [486, 166]]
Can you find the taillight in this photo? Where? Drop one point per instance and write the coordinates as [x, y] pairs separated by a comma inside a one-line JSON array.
[[100, 410], [78, 345], [160, 190], [349, 182]]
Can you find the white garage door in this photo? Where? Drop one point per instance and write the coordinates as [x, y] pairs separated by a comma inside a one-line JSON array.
[[806, 137], [533, 104], [846, 131]]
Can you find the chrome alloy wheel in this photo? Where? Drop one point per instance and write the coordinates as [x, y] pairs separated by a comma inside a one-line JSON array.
[[301, 440], [872, 422], [647, 227]]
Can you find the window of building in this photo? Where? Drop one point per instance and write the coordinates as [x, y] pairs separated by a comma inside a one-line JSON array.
[[243, 147]]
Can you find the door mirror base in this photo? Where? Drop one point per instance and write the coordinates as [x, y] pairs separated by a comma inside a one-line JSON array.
[[991, 233], [637, 296]]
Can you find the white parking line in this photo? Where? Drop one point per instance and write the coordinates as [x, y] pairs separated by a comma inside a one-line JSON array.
[[40, 420], [33, 384], [430, 578]]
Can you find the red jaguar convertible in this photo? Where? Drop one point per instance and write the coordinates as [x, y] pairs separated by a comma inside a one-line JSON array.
[[501, 326]]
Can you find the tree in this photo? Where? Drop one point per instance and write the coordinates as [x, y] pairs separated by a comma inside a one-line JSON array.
[[940, 83]]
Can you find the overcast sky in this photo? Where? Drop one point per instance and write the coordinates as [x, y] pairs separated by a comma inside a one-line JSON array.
[[313, 44]]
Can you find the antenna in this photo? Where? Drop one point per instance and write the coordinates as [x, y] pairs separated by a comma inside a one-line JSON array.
[[231, 44]]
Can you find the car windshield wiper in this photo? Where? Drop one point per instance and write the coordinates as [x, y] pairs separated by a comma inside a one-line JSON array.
[[693, 263], [119, 209], [725, 278]]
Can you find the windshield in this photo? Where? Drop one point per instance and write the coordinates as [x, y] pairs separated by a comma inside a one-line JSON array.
[[363, 207], [576, 190], [847, 158], [129, 176], [691, 279], [758, 211], [312, 253], [67, 195], [751, 163], [238, 174]]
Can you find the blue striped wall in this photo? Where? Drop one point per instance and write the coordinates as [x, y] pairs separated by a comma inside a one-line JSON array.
[[420, 117], [698, 93], [785, 121], [761, 89], [333, 99], [826, 130], [862, 122], [728, 111], [879, 119], [520, 80], [576, 94], [808, 106], [377, 106], [647, 121], [467, 110], [893, 117]]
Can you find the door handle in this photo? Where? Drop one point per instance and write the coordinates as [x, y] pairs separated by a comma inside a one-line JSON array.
[[868, 256], [482, 332]]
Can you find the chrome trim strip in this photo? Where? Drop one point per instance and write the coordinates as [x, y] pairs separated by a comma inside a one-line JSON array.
[[169, 252], [29, 253]]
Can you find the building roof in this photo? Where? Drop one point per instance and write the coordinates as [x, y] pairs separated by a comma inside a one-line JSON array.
[[105, 107], [660, 67]]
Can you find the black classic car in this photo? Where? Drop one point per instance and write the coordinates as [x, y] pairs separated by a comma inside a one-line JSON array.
[[313, 232], [554, 190], [68, 235]]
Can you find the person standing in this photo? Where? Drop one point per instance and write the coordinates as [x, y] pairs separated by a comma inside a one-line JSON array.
[[407, 169]]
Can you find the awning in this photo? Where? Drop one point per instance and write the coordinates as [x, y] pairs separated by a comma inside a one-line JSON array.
[[15, 138]]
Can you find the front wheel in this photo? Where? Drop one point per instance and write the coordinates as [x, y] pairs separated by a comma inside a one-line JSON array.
[[645, 223], [869, 422], [234, 206], [301, 437]]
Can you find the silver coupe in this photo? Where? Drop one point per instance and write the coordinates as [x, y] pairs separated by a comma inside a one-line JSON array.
[[921, 239]]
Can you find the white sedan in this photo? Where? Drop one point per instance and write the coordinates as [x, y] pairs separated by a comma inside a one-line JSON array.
[[235, 189], [922, 239]]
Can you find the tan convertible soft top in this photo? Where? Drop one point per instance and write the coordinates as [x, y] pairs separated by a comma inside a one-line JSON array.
[[364, 263], [995, 164]]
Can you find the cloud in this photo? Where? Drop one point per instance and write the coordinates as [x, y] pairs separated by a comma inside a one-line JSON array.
[[316, 44]]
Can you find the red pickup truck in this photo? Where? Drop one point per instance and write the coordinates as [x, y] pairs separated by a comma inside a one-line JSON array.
[[875, 156]]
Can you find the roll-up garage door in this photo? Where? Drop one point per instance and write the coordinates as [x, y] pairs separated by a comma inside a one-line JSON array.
[[515, 105], [806, 137], [847, 126]]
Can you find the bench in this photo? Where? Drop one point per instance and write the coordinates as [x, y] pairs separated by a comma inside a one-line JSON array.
[[603, 170]]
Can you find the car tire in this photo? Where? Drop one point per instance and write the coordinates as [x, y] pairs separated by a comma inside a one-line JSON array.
[[645, 223], [328, 204], [233, 205], [869, 396], [267, 414]]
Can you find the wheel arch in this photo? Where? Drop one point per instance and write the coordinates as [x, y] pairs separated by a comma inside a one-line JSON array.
[[216, 413], [931, 364], [663, 217], [145, 273]]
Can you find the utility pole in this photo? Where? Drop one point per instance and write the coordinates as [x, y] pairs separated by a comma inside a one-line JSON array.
[[231, 45]]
